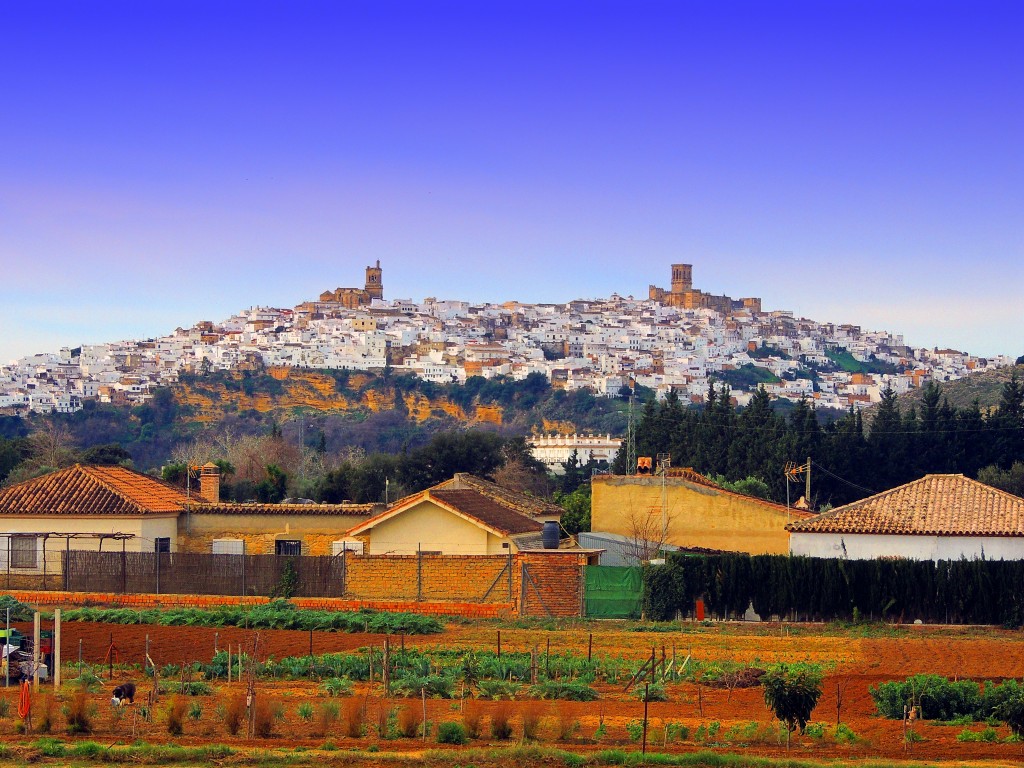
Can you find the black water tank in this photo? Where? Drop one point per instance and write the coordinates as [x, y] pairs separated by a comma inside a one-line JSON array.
[[550, 535]]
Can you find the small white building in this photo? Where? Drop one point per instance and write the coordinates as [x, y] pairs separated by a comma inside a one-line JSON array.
[[939, 517], [554, 450]]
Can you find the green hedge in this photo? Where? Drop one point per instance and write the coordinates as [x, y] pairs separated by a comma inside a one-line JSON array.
[[957, 591]]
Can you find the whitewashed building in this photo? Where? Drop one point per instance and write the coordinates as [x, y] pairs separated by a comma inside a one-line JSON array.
[[554, 450], [939, 517]]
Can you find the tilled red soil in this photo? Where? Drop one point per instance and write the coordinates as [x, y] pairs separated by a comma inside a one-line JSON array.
[[857, 663]]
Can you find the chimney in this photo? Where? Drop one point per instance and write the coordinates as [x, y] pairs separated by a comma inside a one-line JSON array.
[[209, 483]]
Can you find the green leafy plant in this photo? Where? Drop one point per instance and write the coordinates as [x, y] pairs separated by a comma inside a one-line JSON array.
[[450, 732], [337, 686], [791, 692], [635, 730], [305, 711]]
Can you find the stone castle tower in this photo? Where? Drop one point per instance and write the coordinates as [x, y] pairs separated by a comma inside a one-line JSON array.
[[682, 278], [375, 282]]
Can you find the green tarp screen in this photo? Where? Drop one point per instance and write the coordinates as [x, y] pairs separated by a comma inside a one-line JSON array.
[[612, 592]]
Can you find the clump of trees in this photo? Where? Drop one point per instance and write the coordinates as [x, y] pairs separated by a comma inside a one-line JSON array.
[[750, 446]]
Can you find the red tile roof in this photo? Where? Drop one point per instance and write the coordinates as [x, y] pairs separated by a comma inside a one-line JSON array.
[[945, 505], [88, 490], [488, 511], [202, 507]]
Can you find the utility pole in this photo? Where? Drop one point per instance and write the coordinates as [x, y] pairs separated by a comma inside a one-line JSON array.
[[664, 460], [807, 488], [630, 438]]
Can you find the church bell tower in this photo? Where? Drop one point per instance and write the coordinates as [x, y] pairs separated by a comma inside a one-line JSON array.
[[375, 282]]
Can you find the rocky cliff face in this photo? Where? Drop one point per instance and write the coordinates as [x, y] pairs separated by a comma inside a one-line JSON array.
[[284, 389]]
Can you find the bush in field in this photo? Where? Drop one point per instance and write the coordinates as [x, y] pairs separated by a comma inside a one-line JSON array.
[[501, 725], [497, 689], [176, 710], [435, 686], [263, 717], [938, 698], [234, 713], [337, 686], [450, 732], [654, 692], [560, 689], [472, 717], [791, 692], [568, 723], [78, 712], [410, 718], [1010, 708], [327, 715], [355, 718], [532, 713]]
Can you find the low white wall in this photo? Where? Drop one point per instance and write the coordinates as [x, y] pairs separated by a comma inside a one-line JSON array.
[[864, 546]]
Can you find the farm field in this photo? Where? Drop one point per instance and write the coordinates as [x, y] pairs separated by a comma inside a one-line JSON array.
[[712, 717]]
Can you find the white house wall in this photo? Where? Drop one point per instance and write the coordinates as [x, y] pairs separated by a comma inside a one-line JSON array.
[[863, 546]]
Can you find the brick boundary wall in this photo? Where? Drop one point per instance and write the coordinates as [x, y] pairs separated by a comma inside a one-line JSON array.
[[540, 584], [50, 599]]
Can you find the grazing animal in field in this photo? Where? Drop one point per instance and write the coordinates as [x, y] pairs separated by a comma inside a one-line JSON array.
[[124, 694]]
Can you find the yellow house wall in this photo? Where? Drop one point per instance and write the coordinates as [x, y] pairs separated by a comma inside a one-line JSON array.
[[432, 528], [144, 530], [698, 516], [259, 532]]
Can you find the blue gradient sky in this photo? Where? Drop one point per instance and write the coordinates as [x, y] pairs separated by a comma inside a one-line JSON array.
[[166, 162]]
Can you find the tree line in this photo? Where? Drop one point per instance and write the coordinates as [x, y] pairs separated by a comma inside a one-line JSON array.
[[850, 460], [805, 588]]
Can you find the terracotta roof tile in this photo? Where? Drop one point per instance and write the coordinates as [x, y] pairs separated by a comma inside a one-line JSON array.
[[947, 505], [528, 505], [488, 511], [88, 490], [200, 507]]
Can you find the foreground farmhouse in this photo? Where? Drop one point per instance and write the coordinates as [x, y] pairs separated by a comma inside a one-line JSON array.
[[939, 517]]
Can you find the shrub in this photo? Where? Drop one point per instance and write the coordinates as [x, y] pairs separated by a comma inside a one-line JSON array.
[[498, 689], [450, 732], [234, 713], [263, 717], [176, 710], [568, 724], [305, 711], [5, 707], [844, 734], [195, 711], [355, 718], [190, 688], [652, 693], [435, 686], [501, 726], [635, 730], [88, 682], [78, 713], [410, 719], [337, 686], [938, 697], [676, 732], [472, 717], [815, 730], [561, 689], [327, 715], [45, 709], [532, 713], [791, 692]]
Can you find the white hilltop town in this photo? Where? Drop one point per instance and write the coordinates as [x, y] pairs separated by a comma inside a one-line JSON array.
[[674, 339]]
